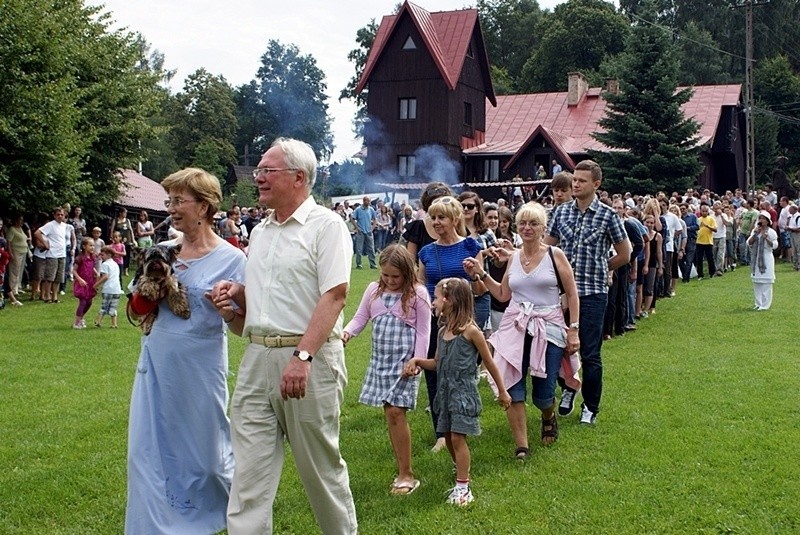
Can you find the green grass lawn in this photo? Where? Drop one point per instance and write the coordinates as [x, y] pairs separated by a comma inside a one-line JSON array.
[[699, 431]]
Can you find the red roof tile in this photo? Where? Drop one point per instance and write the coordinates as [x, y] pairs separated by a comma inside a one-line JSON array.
[[511, 124], [138, 191]]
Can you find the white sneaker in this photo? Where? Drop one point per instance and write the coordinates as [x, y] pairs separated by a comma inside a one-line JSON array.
[[587, 416], [460, 496], [62, 292], [440, 443]]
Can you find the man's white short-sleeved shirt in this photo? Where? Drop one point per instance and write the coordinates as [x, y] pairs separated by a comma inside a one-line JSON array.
[[290, 265]]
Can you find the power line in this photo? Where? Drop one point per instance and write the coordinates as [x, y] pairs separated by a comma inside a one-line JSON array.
[[778, 116], [677, 35]]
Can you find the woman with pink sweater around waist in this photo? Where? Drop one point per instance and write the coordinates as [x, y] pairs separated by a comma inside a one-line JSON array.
[[533, 338]]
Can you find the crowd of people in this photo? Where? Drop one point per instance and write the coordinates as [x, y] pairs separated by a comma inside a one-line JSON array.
[[522, 293]]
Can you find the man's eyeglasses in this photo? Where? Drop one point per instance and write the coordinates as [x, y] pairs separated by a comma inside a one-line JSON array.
[[258, 171], [177, 202]]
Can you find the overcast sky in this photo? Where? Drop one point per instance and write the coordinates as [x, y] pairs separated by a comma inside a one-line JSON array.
[[229, 38]]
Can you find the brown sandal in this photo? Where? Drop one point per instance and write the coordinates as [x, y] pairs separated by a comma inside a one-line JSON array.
[[549, 431]]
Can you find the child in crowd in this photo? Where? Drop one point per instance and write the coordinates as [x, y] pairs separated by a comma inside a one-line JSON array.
[[84, 276], [400, 310], [456, 362], [118, 247], [98, 244], [111, 287]]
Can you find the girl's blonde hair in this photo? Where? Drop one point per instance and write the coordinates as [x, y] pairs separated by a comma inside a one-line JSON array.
[[459, 294], [450, 208], [398, 257]]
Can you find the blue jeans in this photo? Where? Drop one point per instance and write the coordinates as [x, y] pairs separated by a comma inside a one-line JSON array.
[[593, 309], [543, 389], [482, 307], [744, 249], [365, 245]]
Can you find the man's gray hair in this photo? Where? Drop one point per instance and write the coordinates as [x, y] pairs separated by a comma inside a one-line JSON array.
[[299, 155]]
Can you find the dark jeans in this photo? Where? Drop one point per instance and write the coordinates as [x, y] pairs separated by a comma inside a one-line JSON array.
[[593, 309], [687, 261], [707, 252], [617, 306], [430, 376]]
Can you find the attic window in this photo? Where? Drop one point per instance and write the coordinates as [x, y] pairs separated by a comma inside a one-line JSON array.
[[409, 44]]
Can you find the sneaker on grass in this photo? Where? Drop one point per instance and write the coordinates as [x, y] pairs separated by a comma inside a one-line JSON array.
[[567, 404], [587, 416]]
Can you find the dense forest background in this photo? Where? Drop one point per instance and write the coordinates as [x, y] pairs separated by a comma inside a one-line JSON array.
[[79, 101]]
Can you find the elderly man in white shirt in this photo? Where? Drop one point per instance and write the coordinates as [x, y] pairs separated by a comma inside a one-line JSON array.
[[290, 308]]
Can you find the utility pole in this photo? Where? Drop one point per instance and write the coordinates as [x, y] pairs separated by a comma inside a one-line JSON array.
[[750, 177]]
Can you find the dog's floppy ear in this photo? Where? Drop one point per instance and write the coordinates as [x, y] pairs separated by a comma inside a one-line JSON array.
[[174, 251]]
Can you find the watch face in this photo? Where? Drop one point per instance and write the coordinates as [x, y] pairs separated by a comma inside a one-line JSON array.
[[303, 355]]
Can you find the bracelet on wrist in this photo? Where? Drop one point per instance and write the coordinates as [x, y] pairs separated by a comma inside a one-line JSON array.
[[228, 322]]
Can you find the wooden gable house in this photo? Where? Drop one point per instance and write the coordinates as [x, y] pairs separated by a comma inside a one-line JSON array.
[[428, 83]]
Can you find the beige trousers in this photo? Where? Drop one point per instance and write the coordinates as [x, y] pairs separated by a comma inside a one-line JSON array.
[[260, 420]]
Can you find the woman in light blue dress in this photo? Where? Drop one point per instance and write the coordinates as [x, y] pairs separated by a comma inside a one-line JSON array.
[[180, 460]]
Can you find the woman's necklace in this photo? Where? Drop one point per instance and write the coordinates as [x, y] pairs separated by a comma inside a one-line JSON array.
[[525, 260]]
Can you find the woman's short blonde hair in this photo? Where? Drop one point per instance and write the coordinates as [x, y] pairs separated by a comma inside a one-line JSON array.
[[202, 184], [450, 208], [532, 211]]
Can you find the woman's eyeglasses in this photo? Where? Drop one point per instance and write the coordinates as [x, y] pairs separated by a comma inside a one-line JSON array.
[[177, 202], [468, 206]]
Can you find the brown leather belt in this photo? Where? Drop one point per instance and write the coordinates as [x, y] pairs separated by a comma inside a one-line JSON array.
[[275, 341], [281, 341]]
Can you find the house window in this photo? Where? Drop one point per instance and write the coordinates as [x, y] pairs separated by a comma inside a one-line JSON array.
[[491, 170], [405, 165], [409, 44], [468, 114], [408, 108]]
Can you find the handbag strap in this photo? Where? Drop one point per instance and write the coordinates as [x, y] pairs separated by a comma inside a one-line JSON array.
[[555, 268]]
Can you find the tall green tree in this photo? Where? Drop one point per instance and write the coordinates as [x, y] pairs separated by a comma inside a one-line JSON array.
[[74, 98], [290, 88], [365, 37], [205, 123], [512, 32], [779, 91], [653, 145], [577, 36]]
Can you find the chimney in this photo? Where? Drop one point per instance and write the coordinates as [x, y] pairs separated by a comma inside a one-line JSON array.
[[577, 86], [612, 86]]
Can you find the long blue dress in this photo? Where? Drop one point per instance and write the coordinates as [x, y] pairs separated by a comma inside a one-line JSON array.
[[180, 459]]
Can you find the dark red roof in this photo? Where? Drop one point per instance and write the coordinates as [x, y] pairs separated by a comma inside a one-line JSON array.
[[138, 191], [511, 126], [446, 35]]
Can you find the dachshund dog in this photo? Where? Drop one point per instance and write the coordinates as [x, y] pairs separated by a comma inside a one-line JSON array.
[[155, 281]]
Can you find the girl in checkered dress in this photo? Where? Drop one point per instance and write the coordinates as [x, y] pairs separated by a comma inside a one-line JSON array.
[[400, 310]]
